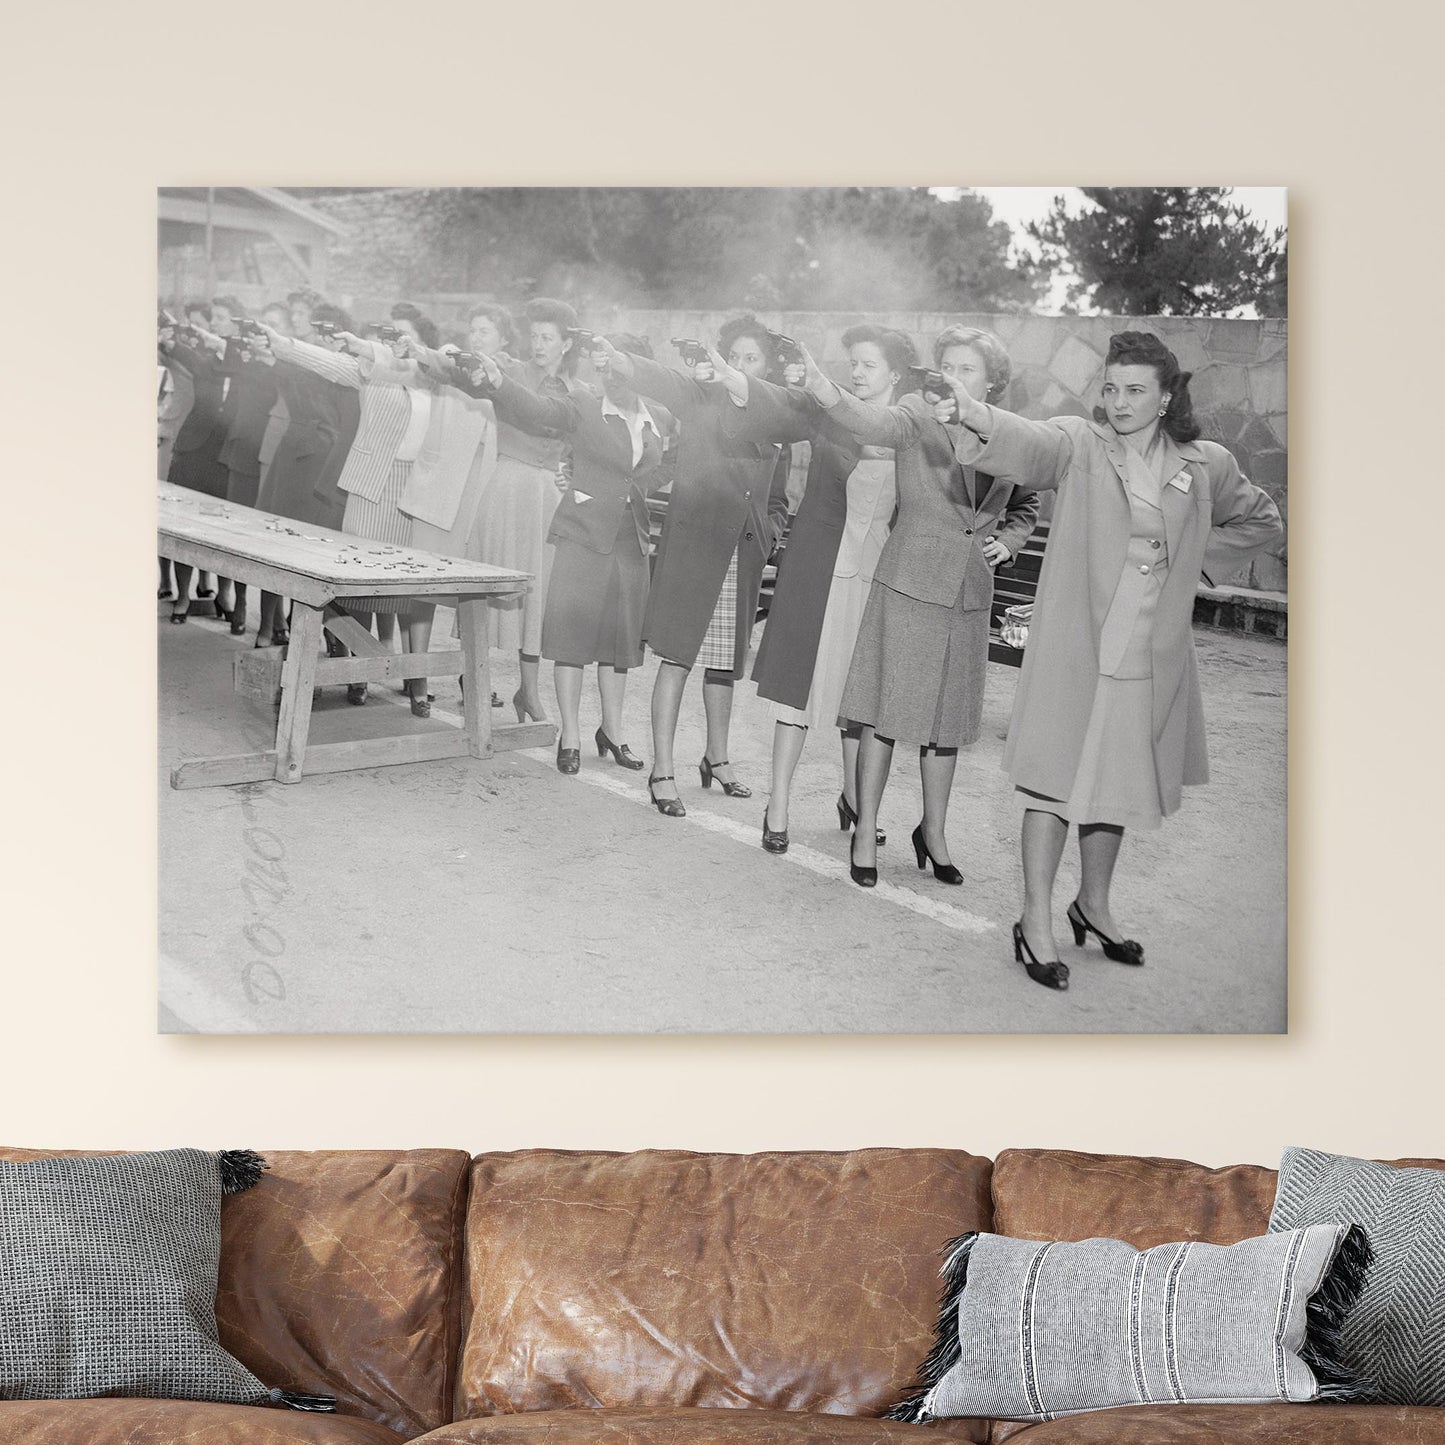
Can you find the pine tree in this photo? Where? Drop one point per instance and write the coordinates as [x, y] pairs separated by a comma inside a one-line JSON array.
[[1165, 251]]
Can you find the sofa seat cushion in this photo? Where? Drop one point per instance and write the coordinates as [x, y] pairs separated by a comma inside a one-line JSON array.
[[695, 1427], [663, 1279], [1248, 1424], [169, 1422]]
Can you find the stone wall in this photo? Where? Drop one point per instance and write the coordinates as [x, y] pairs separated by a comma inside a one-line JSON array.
[[1239, 385]]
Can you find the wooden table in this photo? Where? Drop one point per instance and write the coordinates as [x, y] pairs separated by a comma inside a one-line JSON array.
[[315, 566]]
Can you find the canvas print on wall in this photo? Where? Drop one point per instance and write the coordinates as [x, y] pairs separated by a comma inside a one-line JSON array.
[[722, 610]]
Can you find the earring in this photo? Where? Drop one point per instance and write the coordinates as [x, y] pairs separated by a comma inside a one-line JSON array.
[[1163, 410]]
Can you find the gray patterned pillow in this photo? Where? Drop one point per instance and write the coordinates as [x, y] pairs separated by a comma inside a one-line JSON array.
[[1033, 1331], [108, 1279], [1397, 1332]]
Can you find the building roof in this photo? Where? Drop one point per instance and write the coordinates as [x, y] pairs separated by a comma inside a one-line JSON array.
[[255, 199]]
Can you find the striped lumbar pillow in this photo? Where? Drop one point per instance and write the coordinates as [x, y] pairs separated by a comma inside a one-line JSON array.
[[1396, 1334], [1032, 1331]]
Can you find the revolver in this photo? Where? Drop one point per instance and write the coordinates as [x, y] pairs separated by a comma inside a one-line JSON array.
[[789, 353], [934, 384], [692, 351]]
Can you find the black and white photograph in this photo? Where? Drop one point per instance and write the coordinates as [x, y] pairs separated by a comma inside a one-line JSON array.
[[740, 610]]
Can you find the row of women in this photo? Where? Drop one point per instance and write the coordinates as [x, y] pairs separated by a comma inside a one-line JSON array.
[[880, 619]]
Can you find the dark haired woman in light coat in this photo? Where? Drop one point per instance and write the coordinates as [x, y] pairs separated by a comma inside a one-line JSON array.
[[1108, 725]]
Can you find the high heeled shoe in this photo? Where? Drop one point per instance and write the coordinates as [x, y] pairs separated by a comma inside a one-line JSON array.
[[1121, 951], [623, 756], [944, 872], [420, 706], [569, 760], [707, 771], [774, 842], [181, 615], [223, 613], [668, 807], [863, 877], [847, 818], [523, 711], [238, 621], [1054, 974]]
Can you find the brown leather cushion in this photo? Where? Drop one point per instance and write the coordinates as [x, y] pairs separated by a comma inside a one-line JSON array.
[[1060, 1194], [801, 1282], [695, 1427], [169, 1422], [341, 1275], [1252, 1424]]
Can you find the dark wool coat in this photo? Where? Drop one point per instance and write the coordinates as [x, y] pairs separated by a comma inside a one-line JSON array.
[[729, 494]]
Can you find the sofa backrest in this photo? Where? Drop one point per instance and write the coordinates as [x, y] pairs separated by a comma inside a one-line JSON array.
[[1062, 1194], [803, 1281], [341, 1274]]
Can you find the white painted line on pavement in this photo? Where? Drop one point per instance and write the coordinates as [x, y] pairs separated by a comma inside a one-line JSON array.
[[801, 856]]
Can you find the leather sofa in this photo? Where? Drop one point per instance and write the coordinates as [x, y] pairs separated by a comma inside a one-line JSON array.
[[553, 1297]]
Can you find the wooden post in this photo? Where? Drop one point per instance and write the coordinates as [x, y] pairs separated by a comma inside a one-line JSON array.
[[210, 236], [298, 675], [476, 675]]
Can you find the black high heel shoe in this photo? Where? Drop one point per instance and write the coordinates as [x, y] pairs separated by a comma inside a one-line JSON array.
[[774, 842], [863, 877], [181, 616], [944, 872], [1054, 974], [1124, 951], [668, 807], [569, 760], [238, 621], [847, 818], [623, 756], [221, 612], [706, 770]]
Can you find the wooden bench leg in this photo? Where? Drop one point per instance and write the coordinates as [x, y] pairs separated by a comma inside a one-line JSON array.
[[476, 675], [298, 676]]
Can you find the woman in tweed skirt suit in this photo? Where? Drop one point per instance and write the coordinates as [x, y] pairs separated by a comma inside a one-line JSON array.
[[396, 398], [922, 652]]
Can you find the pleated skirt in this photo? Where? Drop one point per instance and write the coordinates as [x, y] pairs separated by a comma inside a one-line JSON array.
[[918, 670], [595, 605], [510, 530], [382, 521]]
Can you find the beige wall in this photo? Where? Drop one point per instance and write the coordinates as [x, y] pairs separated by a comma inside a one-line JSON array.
[[1007, 102]]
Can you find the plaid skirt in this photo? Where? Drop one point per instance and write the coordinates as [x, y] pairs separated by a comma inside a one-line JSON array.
[[719, 643]]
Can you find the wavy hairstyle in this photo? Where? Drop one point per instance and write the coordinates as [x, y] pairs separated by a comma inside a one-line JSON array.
[[1143, 348], [426, 328], [748, 325], [898, 349], [996, 364], [547, 309], [500, 317]]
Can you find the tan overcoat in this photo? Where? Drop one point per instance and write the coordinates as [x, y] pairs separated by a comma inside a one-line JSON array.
[[1214, 521]]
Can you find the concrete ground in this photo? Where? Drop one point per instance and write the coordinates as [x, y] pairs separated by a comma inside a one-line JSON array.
[[460, 896]]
